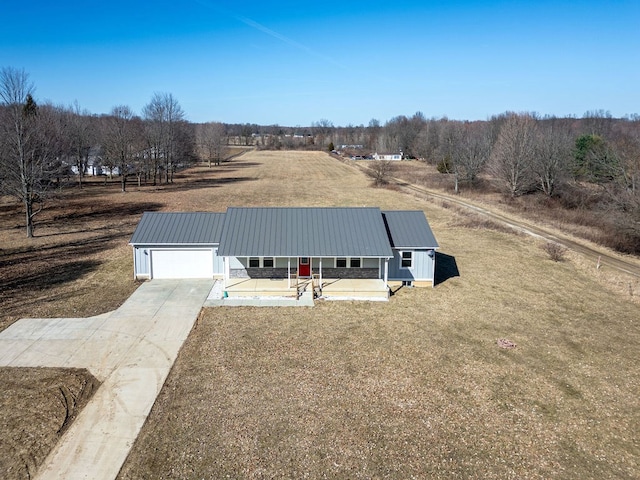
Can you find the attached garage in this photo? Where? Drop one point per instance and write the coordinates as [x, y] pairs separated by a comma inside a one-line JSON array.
[[190, 263], [177, 245]]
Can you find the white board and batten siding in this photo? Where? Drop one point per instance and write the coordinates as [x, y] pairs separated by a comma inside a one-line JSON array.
[[422, 267]]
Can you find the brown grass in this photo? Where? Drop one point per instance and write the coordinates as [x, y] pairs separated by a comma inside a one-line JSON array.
[[413, 388], [37, 405], [416, 386], [580, 209]]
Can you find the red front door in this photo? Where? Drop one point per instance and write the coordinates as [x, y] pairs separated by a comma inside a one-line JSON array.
[[304, 267]]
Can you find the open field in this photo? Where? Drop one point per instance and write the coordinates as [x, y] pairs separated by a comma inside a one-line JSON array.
[[416, 386]]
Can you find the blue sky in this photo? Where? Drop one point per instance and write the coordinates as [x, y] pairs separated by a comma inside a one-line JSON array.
[[294, 63]]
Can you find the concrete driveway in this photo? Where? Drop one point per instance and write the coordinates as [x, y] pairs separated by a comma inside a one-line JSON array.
[[130, 350]]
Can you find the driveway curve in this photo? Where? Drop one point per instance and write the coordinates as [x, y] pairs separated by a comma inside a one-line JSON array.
[[131, 350]]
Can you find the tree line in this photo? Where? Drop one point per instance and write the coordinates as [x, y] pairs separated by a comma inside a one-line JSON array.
[[43, 143], [589, 164], [575, 159]]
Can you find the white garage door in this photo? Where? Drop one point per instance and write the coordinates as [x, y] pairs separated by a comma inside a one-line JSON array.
[[182, 264]]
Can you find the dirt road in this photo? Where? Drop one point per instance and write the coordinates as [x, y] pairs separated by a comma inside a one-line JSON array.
[[630, 266]]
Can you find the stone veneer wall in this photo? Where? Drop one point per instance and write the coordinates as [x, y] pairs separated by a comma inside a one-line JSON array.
[[350, 273], [282, 272]]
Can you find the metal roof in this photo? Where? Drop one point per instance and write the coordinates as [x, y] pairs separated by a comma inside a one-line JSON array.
[[409, 229], [164, 228], [304, 231]]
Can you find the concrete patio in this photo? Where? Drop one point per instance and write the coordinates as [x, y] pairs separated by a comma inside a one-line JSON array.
[[329, 289]]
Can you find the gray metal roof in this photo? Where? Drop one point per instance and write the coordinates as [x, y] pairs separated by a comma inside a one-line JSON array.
[[164, 228], [304, 231], [409, 229]]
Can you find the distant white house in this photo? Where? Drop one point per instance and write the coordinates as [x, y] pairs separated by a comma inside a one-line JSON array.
[[94, 164], [387, 156]]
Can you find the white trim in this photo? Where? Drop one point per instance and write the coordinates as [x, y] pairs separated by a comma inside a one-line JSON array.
[[348, 261], [261, 262], [402, 252], [135, 265]]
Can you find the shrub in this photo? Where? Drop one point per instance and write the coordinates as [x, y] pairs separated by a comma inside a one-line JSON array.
[[555, 251], [444, 165], [380, 171]]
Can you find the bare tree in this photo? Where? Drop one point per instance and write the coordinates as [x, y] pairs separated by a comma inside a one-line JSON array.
[[322, 129], [465, 148], [373, 134], [29, 144], [165, 118], [449, 141], [380, 171], [210, 139], [80, 137], [552, 155], [626, 145], [474, 151], [512, 155], [121, 141], [427, 141], [625, 191], [598, 122]]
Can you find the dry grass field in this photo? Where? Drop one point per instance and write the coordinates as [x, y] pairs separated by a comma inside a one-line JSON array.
[[413, 388]]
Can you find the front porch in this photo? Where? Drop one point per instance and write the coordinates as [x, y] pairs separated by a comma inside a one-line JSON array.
[[328, 288]]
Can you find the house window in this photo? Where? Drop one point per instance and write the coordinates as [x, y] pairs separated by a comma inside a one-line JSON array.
[[407, 260], [267, 262], [354, 263], [341, 263], [254, 262]]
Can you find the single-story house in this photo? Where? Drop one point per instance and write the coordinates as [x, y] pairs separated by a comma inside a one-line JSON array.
[[387, 156], [393, 247]]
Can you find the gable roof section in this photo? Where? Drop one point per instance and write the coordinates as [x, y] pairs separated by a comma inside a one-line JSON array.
[[409, 229], [304, 231], [186, 228]]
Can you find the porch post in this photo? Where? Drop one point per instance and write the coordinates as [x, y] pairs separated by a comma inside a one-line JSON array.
[[226, 271], [320, 274], [288, 272], [386, 270]]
